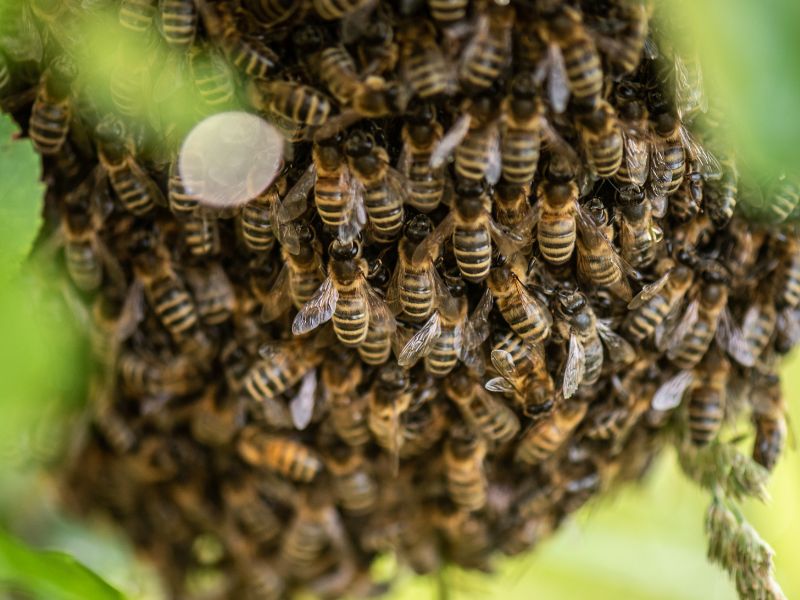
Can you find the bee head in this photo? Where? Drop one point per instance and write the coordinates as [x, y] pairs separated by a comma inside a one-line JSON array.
[[658, 103], [359, 144], [392, 377], [397, 96], [630, 195], [560, 169], [418, 228], [422, 114], [627, 92], [665, 123], [110, 130], [342, 251], [308, 37], [597, 211], [524, 85], [470, 197], [572, 301], [305, 234], [64, 69], [378, 274]]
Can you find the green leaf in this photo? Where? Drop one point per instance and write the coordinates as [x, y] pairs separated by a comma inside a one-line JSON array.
[[52, 575], [21, 193]]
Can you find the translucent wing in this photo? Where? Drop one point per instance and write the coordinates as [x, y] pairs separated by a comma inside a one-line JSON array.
[[739, 348], [380, 317], [476, 329], [637, 154], [683, 327], [475, 45], [396, 186], [789, 324], [495, 163], [278, 301], [355, 215], [710, 166], [503, 363], [575, 367], [449, 306], [557, 81], [619, 349], [499, 385], [318, 310], [508, 242], [649, 292], [336, 124], [596, 237], [421, 342], [429, 246], [659, 205], [297, 197], [450, 140], [671, 392], [302, 405], [660, 173], [392, 292], [533, 307], [665, 329], [557, 144]]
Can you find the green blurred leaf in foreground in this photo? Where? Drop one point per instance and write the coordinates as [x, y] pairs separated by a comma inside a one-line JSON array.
[[21, 193], [47, 574]]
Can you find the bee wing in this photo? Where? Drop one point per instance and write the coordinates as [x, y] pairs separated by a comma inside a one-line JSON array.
[[318, 310], [683, 327], [533, 307], [660, 174], [355, 213], [503, 363], [499, 385], [476, 329], [590, 230], [474, 46], [404, 162], [671, 392], [392, 292], [446, 304], [429, 246], [400, 338], [738, 346], [637, 152], [380, 317], [710, 166], [575, 367], [396, 186], [421, 342], [649, 292], [507, 240], [789, 324], [444, 148], [557, 144], [296, 199], [557, 81], [619, 349], [494, 166], [659, 205], [665, 329], [301, 406], [278, 300]]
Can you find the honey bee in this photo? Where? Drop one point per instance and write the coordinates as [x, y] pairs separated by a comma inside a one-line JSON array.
[[522, 374], [381, 187], [52, 109], [602, 139], [263, 219], [348, 410], [421, 428], [598, 261], [769, 417], [720, 199], [472, 229], [178, 22], [249, 512], [278, 369], [639, 235], [114, 427], [137, 15], [572, 63], [475, 137], [787, 277], [282, 455], [686, 203], [200, 231], [449, 334], [650, 307], [352, 482], [346, 297], [706, 407], [213, 293], [271, 13], [422, 63], [488, 53], [623, 49], [513, 210], [485, 413], [633, 117], [464, 454], [689, 91], [585, 354], [377, 346], [211, 75], [545, 437], [301, 275], [183, 197], [138, 193], [331, 10], [157, 376], [467, 537], [448, 11], [527, 316], [247, 53], [784, 199], [667, 155], [294, 102], [5, 75], [337, 70], [389, 398], [748, 342], [426, 184], [115, 315]]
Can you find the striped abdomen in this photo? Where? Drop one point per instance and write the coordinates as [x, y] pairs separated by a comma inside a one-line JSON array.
[[596, 265], [330, 197], [695, 343], [201, 234], [526, 316], [593, 349], [584, 72], [178, 22], [492, 418], [215, 307], [349, 421], [212, 78], [336, 9], [269, 378], [300, 104], [251, 56], [758, 335], [303, 544], [448, 11], [443, 356], [137, 15], [674, 167], [472, 246], [783, 202], [789, 284], [83, 265], [182, 201], [49, 122], [291, 459], [257, 519], [539, 442], [519, 148], [255, 221], [643, 321], [415, 290], [356, 491], [466, 481], [425, 184], [376, 347], [605, 153], [385, 214], [706, 411], [132, 186], [304, 281], [5, 75], [487, 59], [556, 236], [173, 305], [472, 154], [425, 69], [350, 318], [337, 70]]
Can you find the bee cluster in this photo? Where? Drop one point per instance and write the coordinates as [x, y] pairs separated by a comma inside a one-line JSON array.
[[535, 276]]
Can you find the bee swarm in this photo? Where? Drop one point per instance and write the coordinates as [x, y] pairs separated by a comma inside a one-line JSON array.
[[502, 266]]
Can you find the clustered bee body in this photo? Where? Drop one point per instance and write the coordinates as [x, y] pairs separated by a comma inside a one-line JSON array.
[[498, 261]]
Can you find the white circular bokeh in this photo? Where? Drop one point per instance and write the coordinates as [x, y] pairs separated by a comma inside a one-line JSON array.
[[229, 158]]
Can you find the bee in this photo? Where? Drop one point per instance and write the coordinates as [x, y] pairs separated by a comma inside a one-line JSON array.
[[623, 50], [421, 428], [667, 155], [769, 417], [689, 91], [346, 297], [449, 334], [201, 233], [258, 221], [650, 307], [422, 63], [377, 346], [271, 13], [598, 261], [513, 210], [178, 22], [523, 374], [602, 139], [52, 109], [301, 275], [352, 482], [720, 199], [211, 75], [249, 512], [748, 342], [527, 316], [694, 333], [382, 187], [545, 437], [475, 137], [137, 192], [639, 235], [137, 15], [426, 185], [348, 410], [448, 11], [115, 315], [468, 542], [389, 398], [472, 229], [488, 53], [183, 197], [262, 582], [706, 407], [633, 117], [573, 63], [484, 412], [247, 53], [585, 354], [282, 455], [114, 427], [787, 278], [294, 102], [213, 293], [331, 10], [784, 199], [337, 70], [687, 202], [464, 453], [149, 375], [278, 369]]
